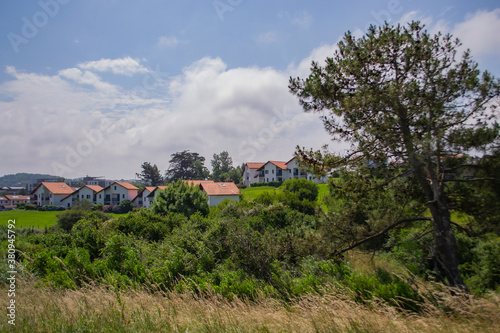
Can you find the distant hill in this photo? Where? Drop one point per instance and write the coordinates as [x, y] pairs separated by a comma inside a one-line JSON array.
[[21, 179]]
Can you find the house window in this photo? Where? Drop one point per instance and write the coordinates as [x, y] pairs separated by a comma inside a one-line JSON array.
[[123, 196], [273, 171], [100, 196], [88, 196], [115, 187], [267, 171]]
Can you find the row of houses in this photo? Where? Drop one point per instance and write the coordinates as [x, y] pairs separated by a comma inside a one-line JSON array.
[[280, 171], [61, 194], [11, 201]]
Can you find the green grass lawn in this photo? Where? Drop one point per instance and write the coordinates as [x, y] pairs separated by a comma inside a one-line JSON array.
[[250, 193], [29, 218], [33, 218]]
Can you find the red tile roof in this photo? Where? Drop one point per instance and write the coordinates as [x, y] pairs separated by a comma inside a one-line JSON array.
[[126, 185], [255, 165], [226, 188], [279, 164], [17, 197], [95, 188], [57, 188]]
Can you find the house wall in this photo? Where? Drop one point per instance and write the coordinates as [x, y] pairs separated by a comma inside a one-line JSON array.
[[214, 200], [41, 196], [272, 173], [249, 176], [142, 201], [84, 193], [114, 194], [296, 172]]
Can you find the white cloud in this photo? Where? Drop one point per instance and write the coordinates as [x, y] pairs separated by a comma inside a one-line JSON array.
[[302, 19], [268, 37], [480, 32], [169, 42], [124, 66], [208, 108]]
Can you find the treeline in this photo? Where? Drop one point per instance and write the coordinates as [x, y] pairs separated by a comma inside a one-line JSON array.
[[187, 165]]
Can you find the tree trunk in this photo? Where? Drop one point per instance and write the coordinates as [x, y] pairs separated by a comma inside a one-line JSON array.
[[444, 237]]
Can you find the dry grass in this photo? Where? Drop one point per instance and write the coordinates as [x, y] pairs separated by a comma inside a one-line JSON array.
[[101, 309]]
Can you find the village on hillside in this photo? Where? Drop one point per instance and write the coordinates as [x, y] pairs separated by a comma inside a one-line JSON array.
[[96, 190]]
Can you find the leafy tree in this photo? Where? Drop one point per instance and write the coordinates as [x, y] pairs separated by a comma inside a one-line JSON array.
[[221, 165], [186, 165], [303, 188], [399, 93], [180, 197], [150, 174]]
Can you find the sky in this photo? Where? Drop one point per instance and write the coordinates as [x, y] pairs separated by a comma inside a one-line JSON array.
[[98, 87]]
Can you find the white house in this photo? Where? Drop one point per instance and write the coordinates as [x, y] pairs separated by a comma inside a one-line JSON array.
[[117, 192], [49, 193], [296, 171], [10, 201], [251, 173], [273, 171], [142, 200], [87, 192], [217, 192]]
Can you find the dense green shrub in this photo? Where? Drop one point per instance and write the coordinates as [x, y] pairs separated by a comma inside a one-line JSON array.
[[302, 188], [180, 197]]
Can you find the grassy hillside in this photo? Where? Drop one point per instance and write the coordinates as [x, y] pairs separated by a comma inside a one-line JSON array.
[[29, 218], [21, 179]]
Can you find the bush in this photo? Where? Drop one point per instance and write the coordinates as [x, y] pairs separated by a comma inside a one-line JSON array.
[[180, 197], [302, 188], [126, 206], [67, 219]]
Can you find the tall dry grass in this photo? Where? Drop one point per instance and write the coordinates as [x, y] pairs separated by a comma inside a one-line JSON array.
[[103, 309]]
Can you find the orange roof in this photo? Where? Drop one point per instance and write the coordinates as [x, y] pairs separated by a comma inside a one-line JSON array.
[[17, 197], [57, 188], [255, 165], [126, 185], [95, 188], [212, 188], [279, 164]]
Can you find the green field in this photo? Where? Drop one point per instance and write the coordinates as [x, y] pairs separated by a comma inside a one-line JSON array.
[[250, 193], [29, 218], [32, 218]]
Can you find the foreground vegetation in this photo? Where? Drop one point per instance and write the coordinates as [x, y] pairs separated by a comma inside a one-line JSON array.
[[103, 308]]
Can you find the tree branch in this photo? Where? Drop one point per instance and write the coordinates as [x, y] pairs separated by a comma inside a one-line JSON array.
[[383, 231]]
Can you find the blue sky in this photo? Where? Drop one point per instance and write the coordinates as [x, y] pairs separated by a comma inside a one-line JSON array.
[[98, 87]]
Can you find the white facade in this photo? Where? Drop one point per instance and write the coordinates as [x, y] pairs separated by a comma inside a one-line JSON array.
[[273, 171], [142, 199], [48, 193], [295, 171], [214, 200], [251, 173], [87, 192], [115, 193]]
